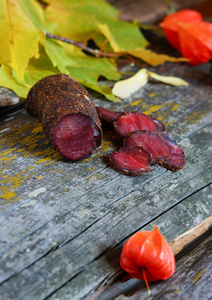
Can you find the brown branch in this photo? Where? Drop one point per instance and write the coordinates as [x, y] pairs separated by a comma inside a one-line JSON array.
[[95, 52]]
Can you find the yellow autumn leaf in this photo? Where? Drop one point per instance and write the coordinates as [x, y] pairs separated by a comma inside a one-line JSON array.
[[125, 88], [176, 81], [19, 37], [153, 58]]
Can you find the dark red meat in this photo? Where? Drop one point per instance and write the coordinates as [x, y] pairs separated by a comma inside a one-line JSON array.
[[161, 126], [108, 115], [135, 120], [76, 136], [176, 160], [151, 142], [68, 115], [130, 161]]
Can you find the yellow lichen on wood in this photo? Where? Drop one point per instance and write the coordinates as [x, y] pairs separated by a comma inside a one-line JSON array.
[[175, 107], [136, 102], [198, 276], [152, 95], [152, 109], [13, 182], [7, 194], [28, 145]]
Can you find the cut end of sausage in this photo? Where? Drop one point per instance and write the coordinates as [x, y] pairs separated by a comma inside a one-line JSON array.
[[134, 120], [130, 161], [76, 136]]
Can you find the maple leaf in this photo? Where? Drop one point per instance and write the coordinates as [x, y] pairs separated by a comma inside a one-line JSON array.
[[37, 69], [19, 36], [76, 19], [27, 54], [83, 68]]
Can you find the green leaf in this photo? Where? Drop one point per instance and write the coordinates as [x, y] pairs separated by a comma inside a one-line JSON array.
[[26, 55], [76, 19], [83, 68], [122, 36]]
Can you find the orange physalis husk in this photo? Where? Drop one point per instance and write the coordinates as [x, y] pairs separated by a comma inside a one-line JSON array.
[[186, 31], [148, 256], [196, 42], [170, 24]]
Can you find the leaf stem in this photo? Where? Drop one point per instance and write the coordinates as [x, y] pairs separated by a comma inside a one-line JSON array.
[[95, 52]]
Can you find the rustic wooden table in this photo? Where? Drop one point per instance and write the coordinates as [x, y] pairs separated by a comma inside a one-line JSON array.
[[63, 225]]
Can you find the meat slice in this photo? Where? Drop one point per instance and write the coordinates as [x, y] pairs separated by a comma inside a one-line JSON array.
[[176, 160], [68, 115], [108, 115], [161, 126], [130, 161], [151, 142], [132, 121]]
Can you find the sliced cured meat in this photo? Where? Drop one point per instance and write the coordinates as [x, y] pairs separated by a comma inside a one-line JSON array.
[[130, 161], [176, 160], [132, 121], [151, 142], [68, 115], [161, 126], [108, 115]]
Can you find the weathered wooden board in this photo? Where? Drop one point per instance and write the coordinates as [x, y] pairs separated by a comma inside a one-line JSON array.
[[63, 225], [192, 280]]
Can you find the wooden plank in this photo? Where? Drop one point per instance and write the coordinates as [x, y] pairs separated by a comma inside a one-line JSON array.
[[124, 186], [99, 272], [56, 234], [103, 232], [192, 280]]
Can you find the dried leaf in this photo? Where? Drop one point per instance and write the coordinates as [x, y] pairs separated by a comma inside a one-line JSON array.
[[176, 81], [153, 58], [125, 88]]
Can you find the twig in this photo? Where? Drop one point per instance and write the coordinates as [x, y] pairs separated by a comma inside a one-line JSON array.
[[95, 52]]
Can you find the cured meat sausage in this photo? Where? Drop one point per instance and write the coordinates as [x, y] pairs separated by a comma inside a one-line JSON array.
[[68, 115]]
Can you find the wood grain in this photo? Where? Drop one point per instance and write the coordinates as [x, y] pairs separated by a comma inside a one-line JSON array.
[[64, 225], [193, 233]]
